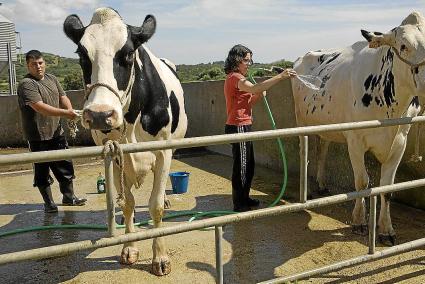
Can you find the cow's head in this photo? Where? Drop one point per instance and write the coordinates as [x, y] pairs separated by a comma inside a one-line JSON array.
[[408, 43], [106, 48]]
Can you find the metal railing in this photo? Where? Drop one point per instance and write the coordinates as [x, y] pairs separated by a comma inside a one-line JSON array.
[[218, 222]]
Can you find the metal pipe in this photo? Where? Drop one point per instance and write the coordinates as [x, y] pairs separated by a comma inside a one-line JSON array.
[[203, 141], [11, 69], [59, 250], [110, 206], [372, 224], [303, 167], [350, 262], [219, 254]]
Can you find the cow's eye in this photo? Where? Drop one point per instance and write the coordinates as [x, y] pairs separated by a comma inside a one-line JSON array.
[[403, 48]]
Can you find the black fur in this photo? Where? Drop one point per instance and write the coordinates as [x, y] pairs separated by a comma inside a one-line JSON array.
[[149, 97]]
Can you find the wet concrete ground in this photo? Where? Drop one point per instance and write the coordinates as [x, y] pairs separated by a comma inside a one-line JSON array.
[[253, 251]]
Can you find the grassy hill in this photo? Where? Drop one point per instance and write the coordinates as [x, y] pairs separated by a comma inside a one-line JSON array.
[[68, 71]]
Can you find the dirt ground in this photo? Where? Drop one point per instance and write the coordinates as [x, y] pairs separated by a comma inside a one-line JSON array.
[[253, 251]]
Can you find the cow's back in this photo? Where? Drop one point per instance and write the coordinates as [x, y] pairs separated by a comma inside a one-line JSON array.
[[341, 96]]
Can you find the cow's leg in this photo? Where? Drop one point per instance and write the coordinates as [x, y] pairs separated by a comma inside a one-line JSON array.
[[386, 233], [321, 163], [129, 253], [160, 263], [361, 181]]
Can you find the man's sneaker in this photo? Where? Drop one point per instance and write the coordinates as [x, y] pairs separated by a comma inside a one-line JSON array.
[[50, 208], [74, 202]]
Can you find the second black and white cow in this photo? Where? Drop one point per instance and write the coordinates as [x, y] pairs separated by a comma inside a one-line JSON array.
[[378, 79], [133, 96]]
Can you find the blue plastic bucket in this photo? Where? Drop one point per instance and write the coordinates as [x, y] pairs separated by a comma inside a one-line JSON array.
[[179, 182]]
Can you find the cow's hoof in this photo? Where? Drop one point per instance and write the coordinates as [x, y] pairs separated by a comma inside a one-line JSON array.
[[362, 229], [324, 191], [161, 266], [167, 204], [387, 240], [129, 255]]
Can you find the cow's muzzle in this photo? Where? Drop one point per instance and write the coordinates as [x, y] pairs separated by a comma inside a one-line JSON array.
[[100, 120]]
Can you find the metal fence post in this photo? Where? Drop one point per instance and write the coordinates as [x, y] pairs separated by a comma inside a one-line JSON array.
[[372, 224], [219, 254], [109, 173], [303, 167]]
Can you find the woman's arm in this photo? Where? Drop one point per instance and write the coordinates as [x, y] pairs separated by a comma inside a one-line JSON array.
[[246, 86]]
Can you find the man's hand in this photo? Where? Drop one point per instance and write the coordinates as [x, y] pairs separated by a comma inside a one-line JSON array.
[[70, 114]]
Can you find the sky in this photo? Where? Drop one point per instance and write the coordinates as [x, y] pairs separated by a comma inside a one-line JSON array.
[[203, 31]]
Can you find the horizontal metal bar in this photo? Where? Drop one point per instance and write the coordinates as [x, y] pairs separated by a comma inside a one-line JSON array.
[[203, 141], [54, 155], [58, 250], [350, 262]]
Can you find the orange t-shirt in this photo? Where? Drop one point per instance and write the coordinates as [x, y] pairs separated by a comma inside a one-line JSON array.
[[238, 103]]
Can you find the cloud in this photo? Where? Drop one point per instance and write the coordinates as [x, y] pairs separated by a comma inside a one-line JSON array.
[[195, 31], [45, 12]]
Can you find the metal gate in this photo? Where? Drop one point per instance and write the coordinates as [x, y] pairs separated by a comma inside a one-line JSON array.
[[219, 222]]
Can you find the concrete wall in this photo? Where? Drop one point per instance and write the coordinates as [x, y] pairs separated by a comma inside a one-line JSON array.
[[206, 110]]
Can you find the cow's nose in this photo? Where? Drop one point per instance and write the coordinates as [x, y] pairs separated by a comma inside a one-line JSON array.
[[101, 120]]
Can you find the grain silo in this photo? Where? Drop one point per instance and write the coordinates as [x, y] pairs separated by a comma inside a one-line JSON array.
[[8, 51]]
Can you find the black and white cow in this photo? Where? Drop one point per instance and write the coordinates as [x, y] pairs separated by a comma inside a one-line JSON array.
[[133, 97], [378, 79]]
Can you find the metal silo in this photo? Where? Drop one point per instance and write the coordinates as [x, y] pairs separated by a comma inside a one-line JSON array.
[[8, 51]]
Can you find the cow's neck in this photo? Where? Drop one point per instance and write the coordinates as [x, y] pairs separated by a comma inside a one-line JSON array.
[[404, 86]]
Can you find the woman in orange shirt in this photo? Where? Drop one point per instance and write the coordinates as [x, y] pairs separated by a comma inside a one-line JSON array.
[[240, 96]]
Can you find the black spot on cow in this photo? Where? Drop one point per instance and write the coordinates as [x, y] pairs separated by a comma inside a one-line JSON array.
[[389, 91], [123, 62], [366, 99], [324, 80], [334, 56], [373, 83], [85, 63], [378, 33], [389, 56], [378, 101], [175, 111], [415, 102], [367, 82], [148, 97]]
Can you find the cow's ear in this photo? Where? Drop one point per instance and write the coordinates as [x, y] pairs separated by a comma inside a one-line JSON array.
[[73, 28], [377, 39], [415, 18], [142, 34]]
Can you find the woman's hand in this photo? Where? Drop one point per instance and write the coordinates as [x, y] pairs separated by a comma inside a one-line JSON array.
[[288, 73]]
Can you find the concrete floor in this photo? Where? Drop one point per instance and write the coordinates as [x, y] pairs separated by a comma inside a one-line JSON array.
[[253, 251]]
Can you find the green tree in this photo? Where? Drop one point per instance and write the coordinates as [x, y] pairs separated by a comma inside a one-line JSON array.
[[73, 81], [213, 73]]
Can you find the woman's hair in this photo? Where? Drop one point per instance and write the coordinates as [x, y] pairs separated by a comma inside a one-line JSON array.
[[236, 55]]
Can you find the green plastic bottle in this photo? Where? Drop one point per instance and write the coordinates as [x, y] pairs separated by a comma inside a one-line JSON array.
[[101, 184]]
